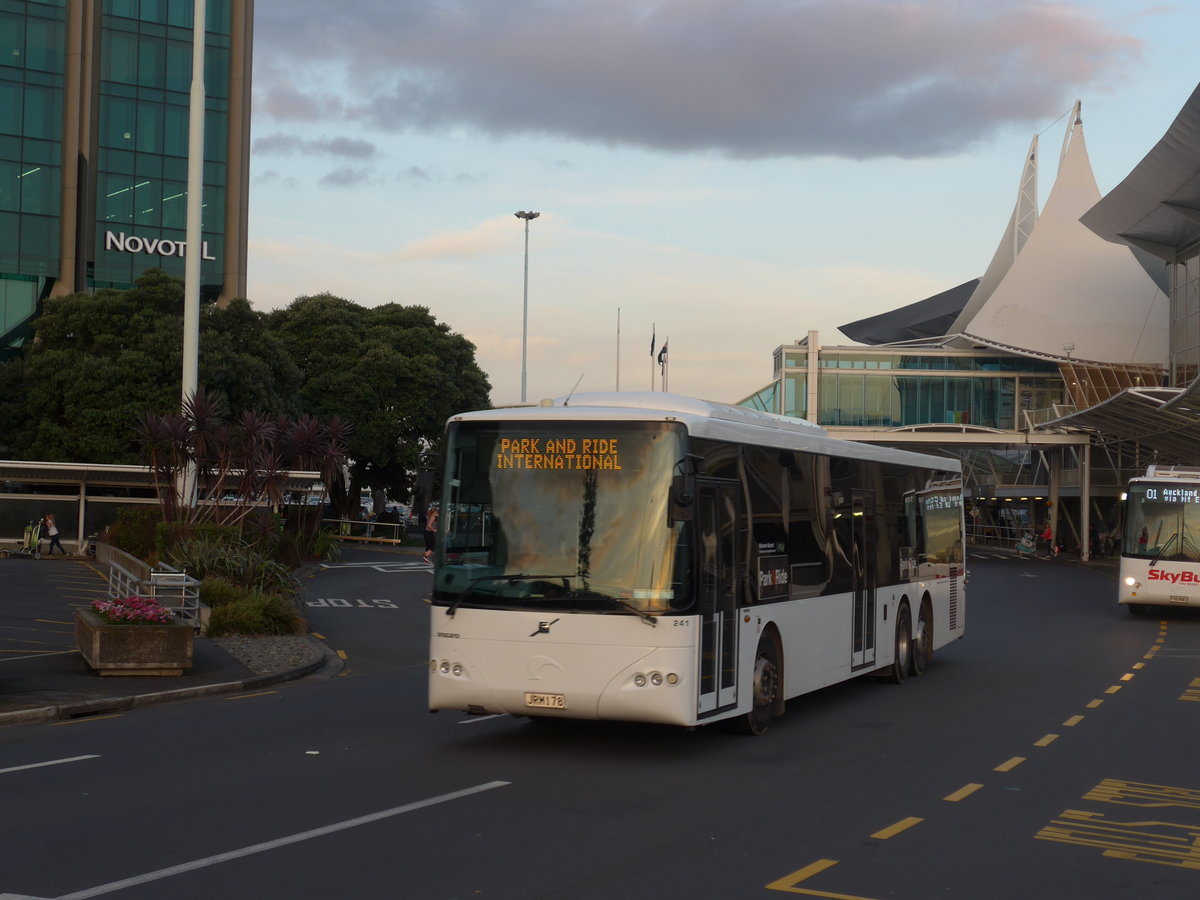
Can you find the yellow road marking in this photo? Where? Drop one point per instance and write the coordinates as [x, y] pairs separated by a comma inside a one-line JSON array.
[[53, 622], [1095, 704], [1139, 666], [1046, 741], [1010, 765], [248, 696], [788, 882], [1192, 692], [341, 653], [1128, 676], [1073, 721], [893, 830], [1113, 689], [963, 792], [88, 719], [319, 637]]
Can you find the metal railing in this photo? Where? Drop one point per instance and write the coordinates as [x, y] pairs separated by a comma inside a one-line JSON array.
[[171, 588]]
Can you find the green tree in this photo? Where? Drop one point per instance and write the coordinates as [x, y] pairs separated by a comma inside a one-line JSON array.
[[99, 363], [393, 372]]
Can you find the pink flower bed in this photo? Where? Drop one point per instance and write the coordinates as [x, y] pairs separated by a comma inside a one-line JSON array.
[[132, 610]]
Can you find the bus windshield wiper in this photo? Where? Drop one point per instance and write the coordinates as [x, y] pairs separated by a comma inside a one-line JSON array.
[[617, 602], [1163, 549], [509, 577]]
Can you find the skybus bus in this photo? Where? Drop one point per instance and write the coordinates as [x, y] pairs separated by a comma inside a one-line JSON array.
[[1160, 540], [650, 557]]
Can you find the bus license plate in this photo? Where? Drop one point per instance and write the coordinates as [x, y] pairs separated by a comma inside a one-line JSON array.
[[1178, 598], [545, 701]]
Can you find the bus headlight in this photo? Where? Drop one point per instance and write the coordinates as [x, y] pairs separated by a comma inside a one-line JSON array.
[[1130, 581], [641, 679]]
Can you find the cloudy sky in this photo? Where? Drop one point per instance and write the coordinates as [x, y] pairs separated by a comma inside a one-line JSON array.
[[728, 174]]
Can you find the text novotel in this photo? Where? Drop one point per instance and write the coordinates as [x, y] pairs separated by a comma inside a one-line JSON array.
[[155, 246]]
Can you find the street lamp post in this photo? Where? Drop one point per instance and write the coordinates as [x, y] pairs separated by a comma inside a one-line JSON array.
[[525, 299]]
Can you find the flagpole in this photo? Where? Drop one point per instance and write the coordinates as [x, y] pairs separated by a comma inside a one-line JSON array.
[[653, 333], [618, 349]]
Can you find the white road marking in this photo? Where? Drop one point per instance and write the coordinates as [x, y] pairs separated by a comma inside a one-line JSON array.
[[279, 842], [49, 762], [474, 719]]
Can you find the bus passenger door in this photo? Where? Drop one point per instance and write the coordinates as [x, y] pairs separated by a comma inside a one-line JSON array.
[[717, 558], [856, 534]]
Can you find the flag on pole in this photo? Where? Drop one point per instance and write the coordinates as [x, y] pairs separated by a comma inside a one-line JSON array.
[[653, 330], [662, 354]]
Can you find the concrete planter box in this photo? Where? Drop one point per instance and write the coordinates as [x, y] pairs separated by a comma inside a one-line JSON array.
[[133, 649]]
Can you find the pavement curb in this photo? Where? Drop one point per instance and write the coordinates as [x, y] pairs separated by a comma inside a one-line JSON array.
[[86, 708]]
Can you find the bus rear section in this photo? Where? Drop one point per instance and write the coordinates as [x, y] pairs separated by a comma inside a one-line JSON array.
[[1160, 540]]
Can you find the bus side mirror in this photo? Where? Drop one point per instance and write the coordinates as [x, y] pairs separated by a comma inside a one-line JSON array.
[[683, 493]]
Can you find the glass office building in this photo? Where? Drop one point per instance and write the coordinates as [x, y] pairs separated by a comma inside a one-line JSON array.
[[94, 109]]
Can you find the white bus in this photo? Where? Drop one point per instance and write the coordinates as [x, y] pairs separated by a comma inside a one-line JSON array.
[[651, 557], [1160, 540]]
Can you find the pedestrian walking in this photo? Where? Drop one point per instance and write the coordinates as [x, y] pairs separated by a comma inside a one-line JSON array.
[[430, 534], [52, 534]]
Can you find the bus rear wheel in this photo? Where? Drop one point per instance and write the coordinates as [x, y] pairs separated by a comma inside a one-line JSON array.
[[897, 672], [767, 687]]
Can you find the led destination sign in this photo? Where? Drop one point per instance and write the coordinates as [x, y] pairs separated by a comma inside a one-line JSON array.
[[558, 453], [1168, 494]]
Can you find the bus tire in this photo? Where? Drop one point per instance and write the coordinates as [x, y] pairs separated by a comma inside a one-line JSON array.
[[766, 687], [1136, 609], [922, 641], [897, 672]]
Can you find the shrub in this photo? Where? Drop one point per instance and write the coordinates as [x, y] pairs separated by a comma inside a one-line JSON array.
[[218, 591], [236, 561], [255, 612], [134, 530], [168, 535]]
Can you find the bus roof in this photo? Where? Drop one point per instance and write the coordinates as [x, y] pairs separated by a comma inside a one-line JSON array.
[[705, 418], [1178, 473]]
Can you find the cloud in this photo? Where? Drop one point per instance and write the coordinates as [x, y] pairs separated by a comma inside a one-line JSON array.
[[743, 78], [486, 238], [349, 177], [344, 148]]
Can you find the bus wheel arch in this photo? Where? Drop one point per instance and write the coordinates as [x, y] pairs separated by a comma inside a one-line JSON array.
[[922, 638], [897, 672], [766, 685]]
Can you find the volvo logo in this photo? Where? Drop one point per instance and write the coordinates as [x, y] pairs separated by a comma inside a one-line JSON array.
[[543, 627]]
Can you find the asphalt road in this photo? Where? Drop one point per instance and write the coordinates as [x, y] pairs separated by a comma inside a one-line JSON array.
[[1047, 755]]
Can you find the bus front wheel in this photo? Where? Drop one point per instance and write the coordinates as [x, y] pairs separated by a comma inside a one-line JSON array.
[[922, 643], [767, 687]]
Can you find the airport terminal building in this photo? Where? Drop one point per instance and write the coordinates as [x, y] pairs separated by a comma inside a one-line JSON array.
[[94, 100], [1070, 365]]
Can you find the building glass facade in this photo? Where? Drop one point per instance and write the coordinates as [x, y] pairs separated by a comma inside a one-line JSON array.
[[887, 388], [94, 110]]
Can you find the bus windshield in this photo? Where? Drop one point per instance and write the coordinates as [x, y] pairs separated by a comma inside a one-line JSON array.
[[568, 516], [1163, 522]]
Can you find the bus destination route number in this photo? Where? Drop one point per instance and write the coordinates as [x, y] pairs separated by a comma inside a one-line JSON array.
[[545, 701]]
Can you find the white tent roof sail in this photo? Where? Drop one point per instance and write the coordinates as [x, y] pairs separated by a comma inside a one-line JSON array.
[[1067, 292]]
